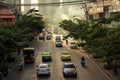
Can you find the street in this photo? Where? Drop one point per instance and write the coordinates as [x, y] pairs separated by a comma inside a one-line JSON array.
[[90, 72]]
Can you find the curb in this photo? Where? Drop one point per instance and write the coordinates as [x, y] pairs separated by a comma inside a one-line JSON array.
[[12, 66], [106, 73]]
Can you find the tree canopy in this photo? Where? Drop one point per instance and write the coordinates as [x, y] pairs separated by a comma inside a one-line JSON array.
[[100, 40], [21, 34]]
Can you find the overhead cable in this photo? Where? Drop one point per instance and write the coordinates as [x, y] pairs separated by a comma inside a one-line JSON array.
[[54, 3]]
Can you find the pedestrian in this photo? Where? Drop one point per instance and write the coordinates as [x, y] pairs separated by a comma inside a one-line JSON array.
[[66, 41]]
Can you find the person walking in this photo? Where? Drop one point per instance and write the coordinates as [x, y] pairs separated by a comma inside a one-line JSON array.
[[66, 41]]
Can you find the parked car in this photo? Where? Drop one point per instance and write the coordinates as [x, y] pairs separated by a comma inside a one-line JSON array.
[[65, 56], [43, 69], [69, 70], [72, 45], [46, 56], [59, 43]]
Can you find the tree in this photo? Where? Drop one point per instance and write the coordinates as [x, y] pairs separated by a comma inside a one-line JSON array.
[[20, 34]]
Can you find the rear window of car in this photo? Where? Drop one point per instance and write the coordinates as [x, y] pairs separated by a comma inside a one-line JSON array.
[[72, 43], [69, 66], [43, 66]]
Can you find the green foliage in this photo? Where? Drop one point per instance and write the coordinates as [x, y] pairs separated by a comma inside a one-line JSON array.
[[68, 25], [102, 42], [20, 34]]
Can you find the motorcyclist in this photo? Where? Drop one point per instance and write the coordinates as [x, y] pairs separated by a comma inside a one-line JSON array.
[[21, 64], [83, 61]]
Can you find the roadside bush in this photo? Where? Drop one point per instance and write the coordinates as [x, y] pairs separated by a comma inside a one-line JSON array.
[[97, 55], [10, 59], [108, 67]]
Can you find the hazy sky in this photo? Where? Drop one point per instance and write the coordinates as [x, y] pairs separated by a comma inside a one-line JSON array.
[[27, 2]]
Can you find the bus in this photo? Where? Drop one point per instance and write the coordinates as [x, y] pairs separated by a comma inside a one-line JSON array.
[[28, 54]]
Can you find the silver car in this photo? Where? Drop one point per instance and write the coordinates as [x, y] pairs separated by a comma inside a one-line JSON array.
[[72, 45], [69, 70], [43, 69]]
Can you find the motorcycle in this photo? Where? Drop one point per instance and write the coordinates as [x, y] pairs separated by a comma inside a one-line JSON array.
[[20, 67], [83, 63]]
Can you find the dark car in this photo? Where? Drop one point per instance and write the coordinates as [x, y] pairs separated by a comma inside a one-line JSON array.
[[58, 38], [69, 70], [48, 37], [59, 43]]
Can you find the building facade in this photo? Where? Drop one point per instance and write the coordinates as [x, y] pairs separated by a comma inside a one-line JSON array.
[[106, 9], [6, 14], [10, 11]]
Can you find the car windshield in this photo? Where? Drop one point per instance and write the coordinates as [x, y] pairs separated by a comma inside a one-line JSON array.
[[69, 66], [58, 41]]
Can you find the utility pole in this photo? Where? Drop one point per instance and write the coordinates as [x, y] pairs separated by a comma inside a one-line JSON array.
[[86, 11], [104, 9]]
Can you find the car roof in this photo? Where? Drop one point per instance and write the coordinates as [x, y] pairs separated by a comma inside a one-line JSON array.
[[68, 63]]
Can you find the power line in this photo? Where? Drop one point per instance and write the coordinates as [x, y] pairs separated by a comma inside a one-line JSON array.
[[53, 3]]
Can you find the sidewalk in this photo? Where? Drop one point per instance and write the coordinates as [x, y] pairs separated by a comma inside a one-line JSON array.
[[109, 73], [12, 65]]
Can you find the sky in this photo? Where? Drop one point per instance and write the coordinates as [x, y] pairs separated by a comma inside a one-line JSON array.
[[32, 1]]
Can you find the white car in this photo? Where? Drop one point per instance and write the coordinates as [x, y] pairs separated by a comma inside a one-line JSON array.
[[43, 69], [73, 45]]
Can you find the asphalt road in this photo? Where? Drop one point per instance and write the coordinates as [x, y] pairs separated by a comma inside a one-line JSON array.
[[90, 72]]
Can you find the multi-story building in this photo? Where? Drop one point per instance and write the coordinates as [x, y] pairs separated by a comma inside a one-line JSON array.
[[10, 11], [6, 15], [105, 8]]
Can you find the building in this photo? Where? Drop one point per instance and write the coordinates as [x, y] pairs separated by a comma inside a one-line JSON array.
[[10, 11], [100, 9], [6, 15]]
